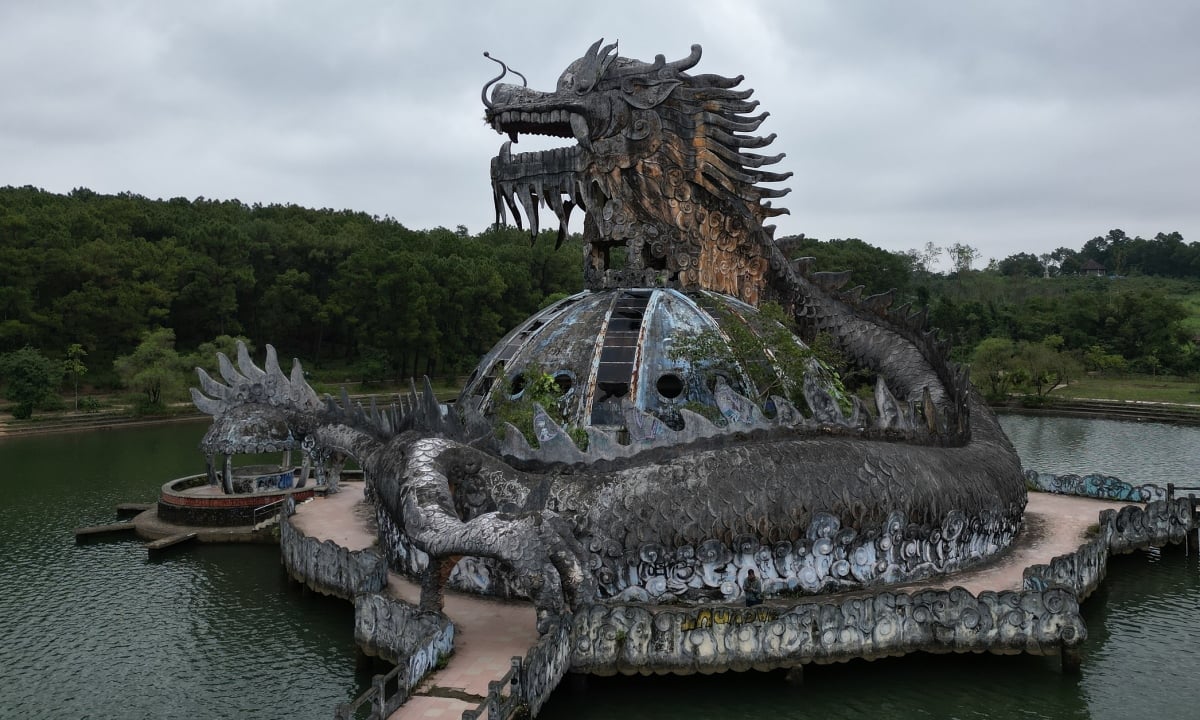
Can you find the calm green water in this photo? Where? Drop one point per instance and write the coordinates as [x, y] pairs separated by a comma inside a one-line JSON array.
[[97, 631]]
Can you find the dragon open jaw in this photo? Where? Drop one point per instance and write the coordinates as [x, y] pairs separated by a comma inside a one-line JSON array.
[[533, 179]]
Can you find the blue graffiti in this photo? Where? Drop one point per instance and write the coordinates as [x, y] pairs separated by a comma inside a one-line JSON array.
[[1104, 487]]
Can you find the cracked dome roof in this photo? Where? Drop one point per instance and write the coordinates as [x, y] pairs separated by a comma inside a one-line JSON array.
[[605, 347]]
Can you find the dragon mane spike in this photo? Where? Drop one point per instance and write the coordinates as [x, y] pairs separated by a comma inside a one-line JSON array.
[[688, 62]]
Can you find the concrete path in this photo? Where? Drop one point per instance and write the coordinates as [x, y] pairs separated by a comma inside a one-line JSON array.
[[1054, 525], [489, 633]]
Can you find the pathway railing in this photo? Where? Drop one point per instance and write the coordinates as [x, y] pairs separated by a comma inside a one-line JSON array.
[[385, 696], [500, 705], [262, 512], [531, 679]]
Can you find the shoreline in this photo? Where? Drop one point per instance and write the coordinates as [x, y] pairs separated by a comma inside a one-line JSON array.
[[58, 425], [1099, 408]]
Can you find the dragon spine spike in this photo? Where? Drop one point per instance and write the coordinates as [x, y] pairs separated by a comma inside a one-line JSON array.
[[830, 281], [230, 374], [247, 366], [207, 405], [214, 389], [271, 363]]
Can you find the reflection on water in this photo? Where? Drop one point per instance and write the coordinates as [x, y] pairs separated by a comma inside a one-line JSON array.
[[1135, 452], [215, 632]]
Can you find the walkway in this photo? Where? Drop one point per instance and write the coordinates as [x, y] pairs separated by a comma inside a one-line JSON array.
[[1054, 525], [488, 633]]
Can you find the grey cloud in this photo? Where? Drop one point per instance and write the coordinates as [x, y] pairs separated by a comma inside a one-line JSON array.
[[1015, 126]]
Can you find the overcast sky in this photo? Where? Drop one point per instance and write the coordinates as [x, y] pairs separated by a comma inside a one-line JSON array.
[[1014, 125]]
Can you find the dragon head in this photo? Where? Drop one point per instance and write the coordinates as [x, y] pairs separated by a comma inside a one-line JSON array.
[[672, 198]]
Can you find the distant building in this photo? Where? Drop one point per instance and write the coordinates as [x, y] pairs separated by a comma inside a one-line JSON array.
[[1091, 267]]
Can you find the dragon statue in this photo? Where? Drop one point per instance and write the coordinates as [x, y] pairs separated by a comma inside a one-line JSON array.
[[637, 494]]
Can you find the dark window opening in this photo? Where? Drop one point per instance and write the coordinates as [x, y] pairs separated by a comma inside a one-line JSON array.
[[517, 386], [564, 380], [669, 385]]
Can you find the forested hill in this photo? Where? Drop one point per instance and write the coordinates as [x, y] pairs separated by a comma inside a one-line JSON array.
[[324, 285], [346, 290], [1031, 319]]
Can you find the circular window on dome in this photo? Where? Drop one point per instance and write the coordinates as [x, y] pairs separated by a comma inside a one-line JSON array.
[[669, 385], [517, 386], [565, 380]]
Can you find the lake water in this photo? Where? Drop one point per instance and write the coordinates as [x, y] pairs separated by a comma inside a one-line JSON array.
[[99, 631]]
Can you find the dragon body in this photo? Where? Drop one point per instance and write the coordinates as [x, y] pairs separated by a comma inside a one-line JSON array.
[[815, 497]]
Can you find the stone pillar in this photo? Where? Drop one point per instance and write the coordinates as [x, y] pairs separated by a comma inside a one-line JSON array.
[[431, 586], [515, 688], [305, 469], [228, 480]]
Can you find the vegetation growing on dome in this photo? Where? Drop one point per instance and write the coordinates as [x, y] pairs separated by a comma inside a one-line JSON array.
[[765, 349], [514, 404]]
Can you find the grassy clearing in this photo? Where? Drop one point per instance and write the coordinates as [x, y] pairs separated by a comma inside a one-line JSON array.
[[1161, 388], [1191, 302]]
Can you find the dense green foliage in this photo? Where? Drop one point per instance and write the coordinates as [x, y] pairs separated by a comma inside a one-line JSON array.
[[95, 276], [1027, 320], [336, 288], [30, 380]]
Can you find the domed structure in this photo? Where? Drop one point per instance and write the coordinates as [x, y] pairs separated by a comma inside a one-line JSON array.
[[659, 349]]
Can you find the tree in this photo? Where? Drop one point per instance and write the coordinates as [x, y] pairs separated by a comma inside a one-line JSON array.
[[74, 368], [30, 379], [962, 256], [925, 260], [994, 367], [153, 369], [1046, 366], [205, 355], [1022, 265]]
